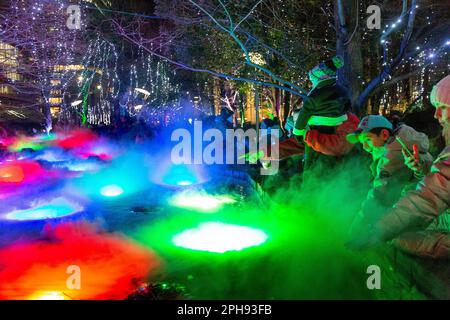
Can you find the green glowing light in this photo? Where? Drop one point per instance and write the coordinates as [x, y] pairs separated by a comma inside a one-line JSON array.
[[219, 237], [199, 201]]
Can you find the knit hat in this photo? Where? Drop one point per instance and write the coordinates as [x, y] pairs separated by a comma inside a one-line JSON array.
[[440, 95], [326, 70]]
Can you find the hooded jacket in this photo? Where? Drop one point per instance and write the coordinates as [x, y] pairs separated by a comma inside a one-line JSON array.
[[391, 175], [326, 104], [333, 144], [420, 207]]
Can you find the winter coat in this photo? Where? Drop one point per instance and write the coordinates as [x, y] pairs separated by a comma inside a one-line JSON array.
[[328, 102], [391, 175], [333, 144], [330, 144], [420, 207]]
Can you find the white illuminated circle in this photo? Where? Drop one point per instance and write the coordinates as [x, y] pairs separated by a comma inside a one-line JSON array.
[[184, 183], [111, 191], [219, 237], [199, 201]]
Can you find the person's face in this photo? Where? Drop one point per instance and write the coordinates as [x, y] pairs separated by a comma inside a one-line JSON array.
[[442, 114], [372, 141]]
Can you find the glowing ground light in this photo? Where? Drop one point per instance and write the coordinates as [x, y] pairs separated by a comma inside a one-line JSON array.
[[57, 208], [178, 175], [184, 183], [48, 295], [11, 174], [219, 238], [202, 202], [111, 191]]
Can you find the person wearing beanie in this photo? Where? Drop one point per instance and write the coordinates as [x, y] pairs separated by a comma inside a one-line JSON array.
[[325, 118], [419, 223]]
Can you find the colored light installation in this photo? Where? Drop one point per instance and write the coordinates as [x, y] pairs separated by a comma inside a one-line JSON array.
[[109, 265], [56, 208], [111, 191], [219, 238], [179, 175], [77, 139], [19, 172], [184, 183], [11, 174], [199, 201], [47, 295]]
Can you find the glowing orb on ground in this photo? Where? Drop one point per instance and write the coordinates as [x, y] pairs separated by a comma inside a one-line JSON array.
[[48, 295], [80, 138], [219, 238], [109, 266], [180, 175], [199, 201], [111, 191], [11, 174], [56, 208], [184, 183]]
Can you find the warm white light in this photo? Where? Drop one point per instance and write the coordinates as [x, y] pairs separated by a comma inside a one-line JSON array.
[[142, 91], [47, 295], [199, 201], [76, 103], [256, 58]]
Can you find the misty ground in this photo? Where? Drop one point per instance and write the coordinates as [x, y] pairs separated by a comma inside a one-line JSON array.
[[304, 256]]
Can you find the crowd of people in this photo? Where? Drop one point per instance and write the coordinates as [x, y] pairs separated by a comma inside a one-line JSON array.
[[410, 195]]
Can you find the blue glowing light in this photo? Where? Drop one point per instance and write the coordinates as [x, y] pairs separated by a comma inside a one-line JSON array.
[[57, 208], [180, 175]]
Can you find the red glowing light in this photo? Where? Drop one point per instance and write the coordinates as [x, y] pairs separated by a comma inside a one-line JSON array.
[[20, 172], [11, 174], [77, 139], [110, 266], [16, 176]]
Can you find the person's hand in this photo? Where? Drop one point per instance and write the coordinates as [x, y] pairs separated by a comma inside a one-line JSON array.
[[253, 157], [266, 164], [413, 162]]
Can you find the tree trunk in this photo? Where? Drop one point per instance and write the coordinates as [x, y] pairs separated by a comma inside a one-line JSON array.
[[277, 102], [348, 46], [286, 106], [48, 118], [217, 96]]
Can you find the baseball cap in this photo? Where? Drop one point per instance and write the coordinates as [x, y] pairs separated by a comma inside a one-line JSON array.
[[367, 124]]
